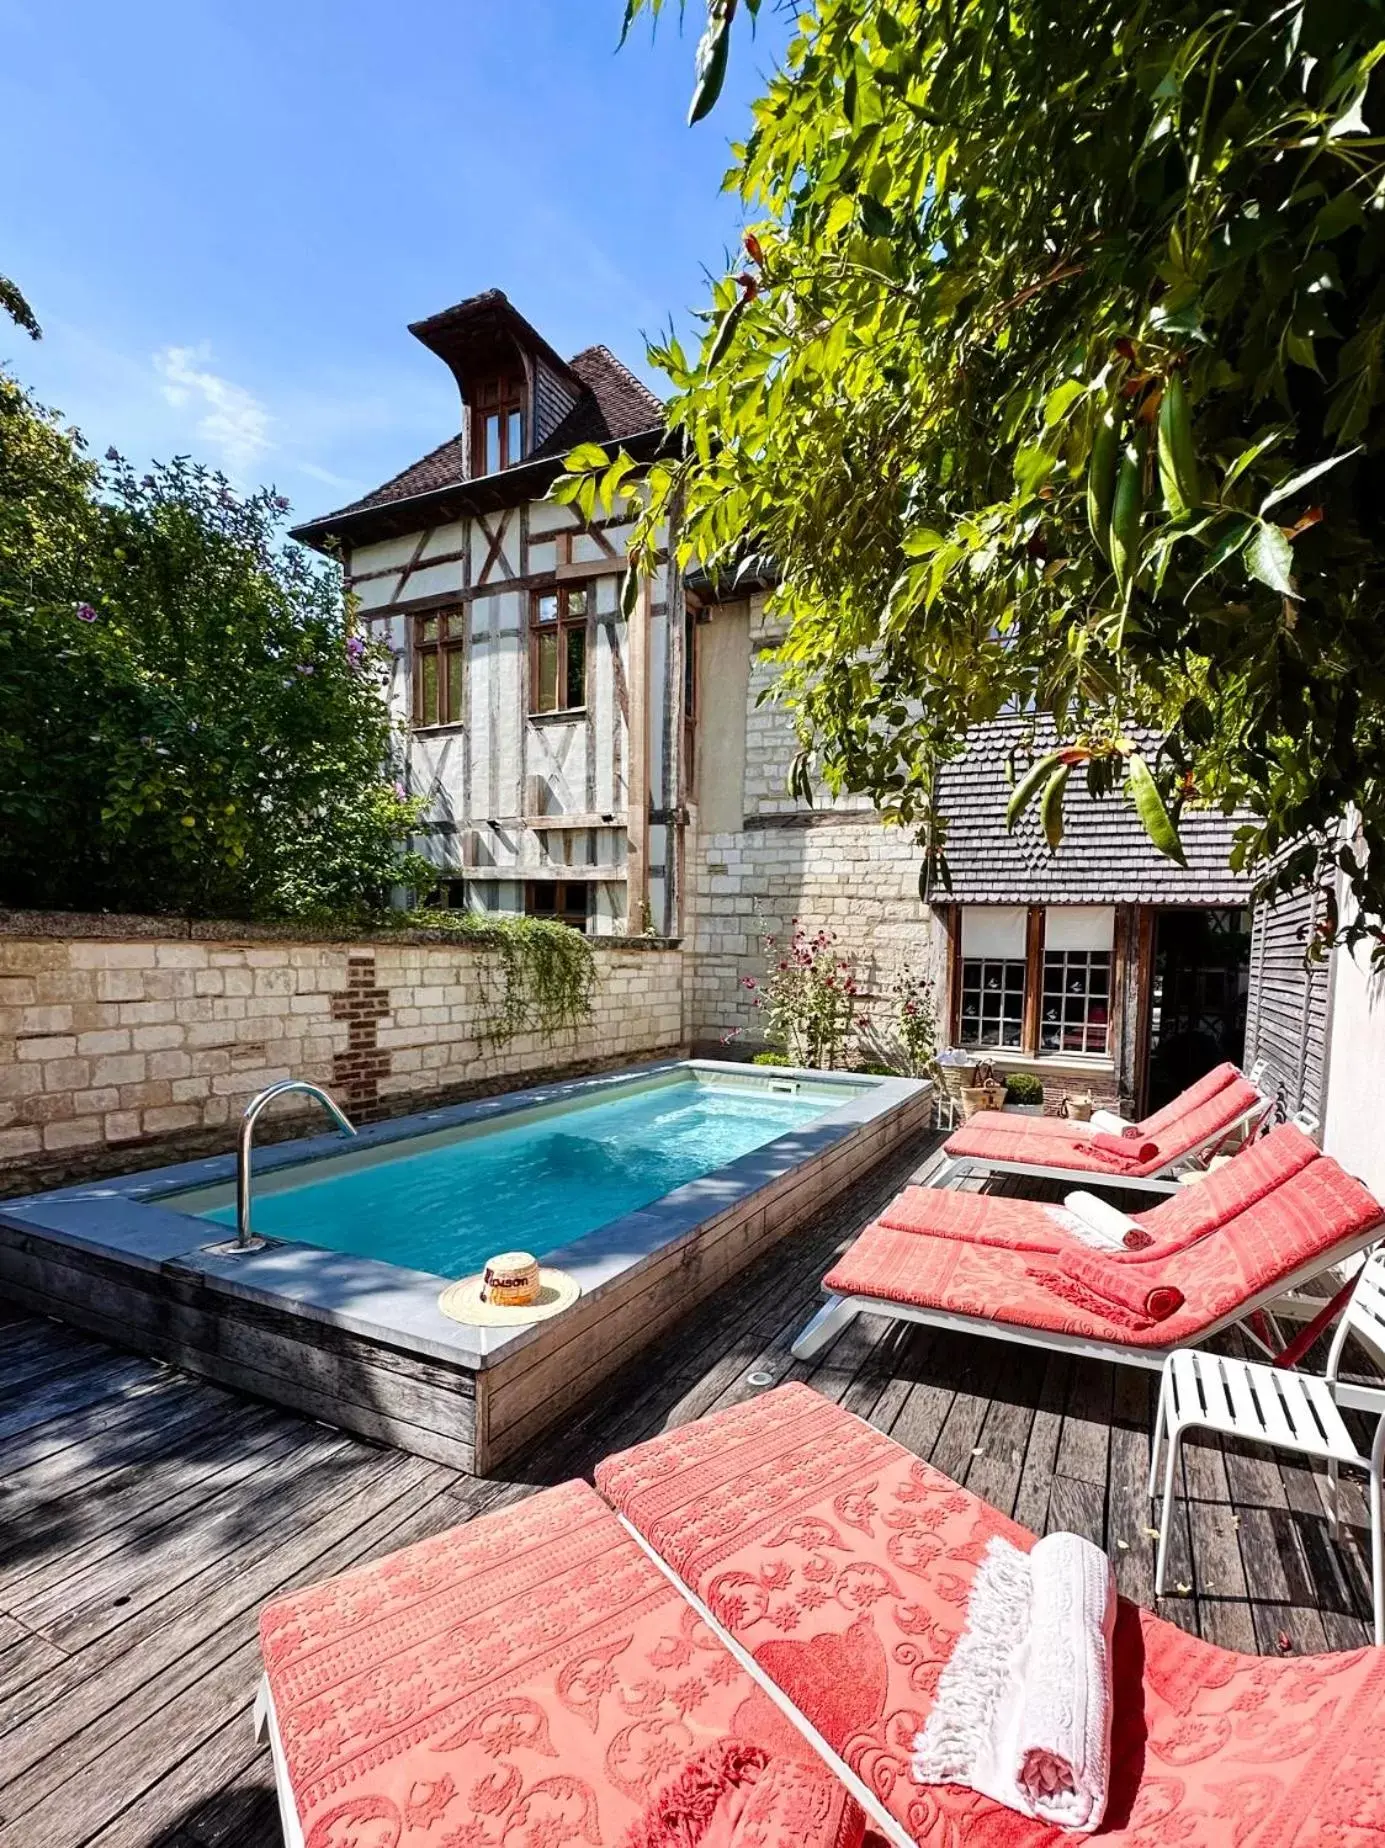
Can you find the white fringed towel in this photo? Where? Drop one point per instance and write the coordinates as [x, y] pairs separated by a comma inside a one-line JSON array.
[[1023, 1712]]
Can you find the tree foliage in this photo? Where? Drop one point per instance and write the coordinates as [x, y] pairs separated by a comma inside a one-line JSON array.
[[13, 304], [1054, 378], [186, 722]]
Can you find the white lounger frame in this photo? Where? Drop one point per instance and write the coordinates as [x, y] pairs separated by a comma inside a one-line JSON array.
[[954, 1169], [1279, 1299], [267, 1727]]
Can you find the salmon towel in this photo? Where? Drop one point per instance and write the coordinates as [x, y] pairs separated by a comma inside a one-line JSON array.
[[738, 1795], [1127, 1147], [1128, 1285], [1023, 1710]]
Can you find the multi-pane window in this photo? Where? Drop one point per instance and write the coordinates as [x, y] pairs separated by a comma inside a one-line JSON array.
[[565, 901], [558, 650], [1035, 980], [1075, 1009], [439, 666], [497, 425], [992, 1001]]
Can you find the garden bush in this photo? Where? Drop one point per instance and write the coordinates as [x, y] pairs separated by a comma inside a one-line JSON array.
[[187, 722]]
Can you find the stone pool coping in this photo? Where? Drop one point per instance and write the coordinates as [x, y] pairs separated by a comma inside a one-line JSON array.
[[119, 1219]]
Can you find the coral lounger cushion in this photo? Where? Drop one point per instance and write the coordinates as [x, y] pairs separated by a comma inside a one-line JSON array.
[[527, 1681], [1000, 1136], [1175, 1223], [1306, 1218], [843, 1565]]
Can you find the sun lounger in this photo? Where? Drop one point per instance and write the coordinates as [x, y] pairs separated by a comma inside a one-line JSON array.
[[531, 1680], [776, 1586], [1182, 1136], [1172, 1222], [1199, 1278], [839, 1565]]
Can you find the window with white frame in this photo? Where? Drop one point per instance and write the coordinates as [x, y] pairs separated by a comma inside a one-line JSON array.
[[993, 975], [1036, 982], [1075, 1002]]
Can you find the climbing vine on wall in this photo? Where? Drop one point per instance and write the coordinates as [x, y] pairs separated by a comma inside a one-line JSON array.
[[538, 979]]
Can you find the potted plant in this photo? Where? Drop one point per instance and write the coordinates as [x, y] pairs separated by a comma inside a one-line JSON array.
[[1024, 1093]]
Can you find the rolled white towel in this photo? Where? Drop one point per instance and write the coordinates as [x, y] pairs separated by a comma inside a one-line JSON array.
[[1103, 1225], [1108, 1122], [1023, 1710], [1063, 1747]]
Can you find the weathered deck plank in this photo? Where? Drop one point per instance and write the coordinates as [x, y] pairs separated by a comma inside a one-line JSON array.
[[145, 1517]]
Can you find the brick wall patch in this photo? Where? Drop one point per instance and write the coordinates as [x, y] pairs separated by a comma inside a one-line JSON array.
[[363, 1004]]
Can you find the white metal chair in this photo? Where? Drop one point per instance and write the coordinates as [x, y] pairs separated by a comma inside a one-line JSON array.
[[1287, 1410]]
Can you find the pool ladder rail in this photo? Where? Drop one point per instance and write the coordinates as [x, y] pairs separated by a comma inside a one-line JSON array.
[[245, 1238]]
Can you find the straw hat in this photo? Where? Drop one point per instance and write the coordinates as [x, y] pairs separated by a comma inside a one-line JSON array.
[[513, 1289]]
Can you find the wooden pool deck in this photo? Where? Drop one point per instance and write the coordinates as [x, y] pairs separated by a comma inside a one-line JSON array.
[[146, 1516]]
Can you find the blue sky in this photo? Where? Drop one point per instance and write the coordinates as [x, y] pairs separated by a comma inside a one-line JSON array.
[[225, 213]]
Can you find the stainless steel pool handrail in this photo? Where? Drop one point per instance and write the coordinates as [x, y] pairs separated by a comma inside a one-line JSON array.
[[244, 1236]]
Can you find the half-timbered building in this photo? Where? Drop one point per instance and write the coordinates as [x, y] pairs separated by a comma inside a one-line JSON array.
[[545, 730], [630, 776]]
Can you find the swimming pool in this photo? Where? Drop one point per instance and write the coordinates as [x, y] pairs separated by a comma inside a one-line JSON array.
[[651, 1188], [449, 1202]]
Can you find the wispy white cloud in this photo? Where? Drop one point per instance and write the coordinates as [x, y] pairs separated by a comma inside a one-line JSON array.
[[344, 482], [233, 422]]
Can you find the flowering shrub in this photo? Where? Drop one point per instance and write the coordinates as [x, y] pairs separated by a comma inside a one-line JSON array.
[[808, 999], [915, 1023]]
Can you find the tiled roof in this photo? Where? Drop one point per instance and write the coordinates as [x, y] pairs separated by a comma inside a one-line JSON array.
[[1105, 856], [613, 405]]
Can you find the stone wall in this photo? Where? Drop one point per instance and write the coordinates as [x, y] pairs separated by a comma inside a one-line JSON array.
[[139, 1042], [833, 866]]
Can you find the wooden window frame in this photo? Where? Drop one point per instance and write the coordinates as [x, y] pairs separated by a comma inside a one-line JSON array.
[[1031, 1034], [1002, 1019], [564, 908], [567, 619], [1074, 963], [503, 399], [446, 647]]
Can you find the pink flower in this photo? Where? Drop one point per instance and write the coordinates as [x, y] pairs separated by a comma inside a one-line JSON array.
[[748, 981], [85, 613], [401, 794], [355, 650]]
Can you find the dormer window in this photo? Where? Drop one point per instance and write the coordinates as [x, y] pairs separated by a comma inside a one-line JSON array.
[[497, 425]]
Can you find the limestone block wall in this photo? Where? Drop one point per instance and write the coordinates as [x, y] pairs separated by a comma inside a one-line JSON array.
[[145, 1040], [832, 866]]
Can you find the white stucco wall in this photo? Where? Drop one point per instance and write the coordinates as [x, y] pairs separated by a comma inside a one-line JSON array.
[[1354, 1122]]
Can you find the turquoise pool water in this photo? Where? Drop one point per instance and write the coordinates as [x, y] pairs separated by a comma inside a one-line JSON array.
[[533, 1185]]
